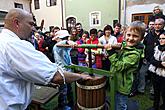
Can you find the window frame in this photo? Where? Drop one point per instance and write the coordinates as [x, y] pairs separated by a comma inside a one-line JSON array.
[[18, 5], [36, 6], [144, 15], [91, 17], [50, 3]]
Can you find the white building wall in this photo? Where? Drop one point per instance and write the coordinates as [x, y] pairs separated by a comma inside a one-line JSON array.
[[51, 15], [6, 5], [146, 8]]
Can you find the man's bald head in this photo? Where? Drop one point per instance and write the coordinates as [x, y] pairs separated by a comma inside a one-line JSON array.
[[20, 22], [15, 13]]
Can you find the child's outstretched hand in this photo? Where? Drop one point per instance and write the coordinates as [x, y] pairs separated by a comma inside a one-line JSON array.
[[72, 44], [107, 46]]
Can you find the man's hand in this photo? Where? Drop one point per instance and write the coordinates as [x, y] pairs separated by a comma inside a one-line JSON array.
[[163, 63], [85, 77]]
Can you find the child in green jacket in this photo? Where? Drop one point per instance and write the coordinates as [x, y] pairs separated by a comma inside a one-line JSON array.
[[125, 62]]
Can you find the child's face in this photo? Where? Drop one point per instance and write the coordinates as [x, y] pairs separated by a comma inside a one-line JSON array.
[[93, 36], [117, 29], [84, 36], [162, 39], [74, 32], [132, 38], [107, 32]]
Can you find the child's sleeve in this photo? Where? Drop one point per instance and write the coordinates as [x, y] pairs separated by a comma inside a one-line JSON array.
[[111, 52], [125, 62]]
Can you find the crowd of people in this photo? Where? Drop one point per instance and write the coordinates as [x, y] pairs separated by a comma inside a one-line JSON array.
[[117, 35], [140, 59]]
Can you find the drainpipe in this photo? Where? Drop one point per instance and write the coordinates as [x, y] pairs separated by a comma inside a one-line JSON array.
[[119, 16], [30, 3], [125, 6], [62, 12]]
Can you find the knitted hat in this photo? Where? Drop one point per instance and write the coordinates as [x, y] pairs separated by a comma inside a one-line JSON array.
[[157, 7]]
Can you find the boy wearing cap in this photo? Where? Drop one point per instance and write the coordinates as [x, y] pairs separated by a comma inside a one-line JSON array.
[[62, 58]]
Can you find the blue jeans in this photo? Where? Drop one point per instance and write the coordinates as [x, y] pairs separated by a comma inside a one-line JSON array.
[[62, 98], [65, 96], [82, 64], [94, 65], [121, 101]]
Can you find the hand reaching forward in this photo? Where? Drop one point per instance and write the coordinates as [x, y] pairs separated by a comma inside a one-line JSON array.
[[108, 46], [85, 77], [163, 63]]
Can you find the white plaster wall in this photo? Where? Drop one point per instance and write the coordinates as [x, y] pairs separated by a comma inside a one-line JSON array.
[[6, 5], [51, 15], [146, 8]]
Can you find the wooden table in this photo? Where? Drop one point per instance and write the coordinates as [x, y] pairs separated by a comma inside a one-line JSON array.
[[41, 96]]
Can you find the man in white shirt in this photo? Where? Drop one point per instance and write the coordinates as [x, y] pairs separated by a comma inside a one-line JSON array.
[[21, 65]]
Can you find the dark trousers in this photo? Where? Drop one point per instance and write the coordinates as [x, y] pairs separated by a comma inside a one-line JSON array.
[[159, 90], [106, 64]]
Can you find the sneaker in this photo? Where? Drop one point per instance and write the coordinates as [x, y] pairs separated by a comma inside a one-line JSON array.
[[64, 108], [161, 107], [151, 108], [67, 108]]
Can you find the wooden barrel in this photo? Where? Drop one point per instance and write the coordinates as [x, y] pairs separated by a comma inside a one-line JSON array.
[[91, 93]]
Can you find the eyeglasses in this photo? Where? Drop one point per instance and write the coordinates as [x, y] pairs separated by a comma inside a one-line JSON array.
[[161, 38]]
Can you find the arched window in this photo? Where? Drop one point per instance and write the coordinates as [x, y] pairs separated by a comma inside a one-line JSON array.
[[70, 22]]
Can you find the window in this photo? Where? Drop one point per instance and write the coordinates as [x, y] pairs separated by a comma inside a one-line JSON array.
[[1, 27], [36, 4], [144, 17], [51, 2], [95, 18], [18, 5]]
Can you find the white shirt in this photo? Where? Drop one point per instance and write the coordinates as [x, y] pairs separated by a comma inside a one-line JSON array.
[[20, 67], [111, 40], [103, 41]]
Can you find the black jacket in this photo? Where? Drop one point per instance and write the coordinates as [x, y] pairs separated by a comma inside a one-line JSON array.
[[150, 41]]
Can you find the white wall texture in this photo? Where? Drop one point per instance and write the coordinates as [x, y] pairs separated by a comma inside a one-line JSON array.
[[51, 15], [6, 5]]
